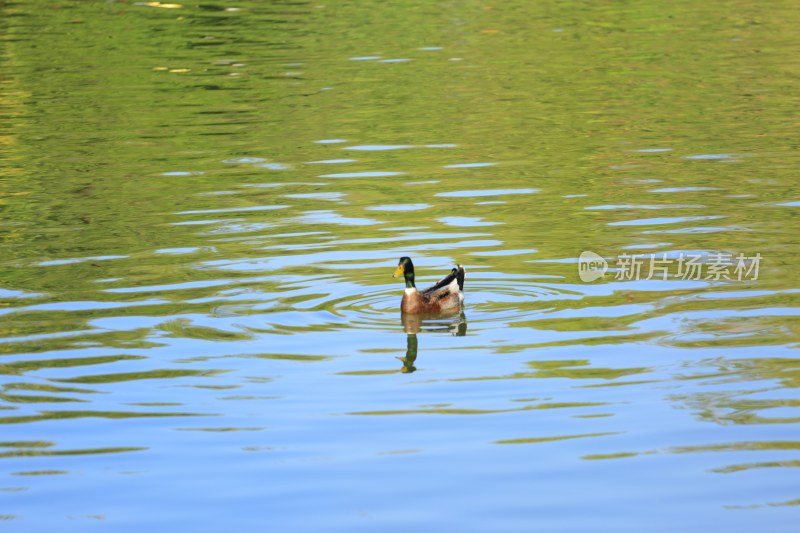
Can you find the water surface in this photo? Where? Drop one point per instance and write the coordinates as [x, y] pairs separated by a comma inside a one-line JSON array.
[[201, 208]]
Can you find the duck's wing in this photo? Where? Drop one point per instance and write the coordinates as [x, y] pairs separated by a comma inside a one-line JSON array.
[[444, 286]]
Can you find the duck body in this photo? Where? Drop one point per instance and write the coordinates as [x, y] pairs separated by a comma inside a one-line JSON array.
[[445, 296]]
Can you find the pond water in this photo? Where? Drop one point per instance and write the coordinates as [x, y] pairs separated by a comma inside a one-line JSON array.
[[201, 208]]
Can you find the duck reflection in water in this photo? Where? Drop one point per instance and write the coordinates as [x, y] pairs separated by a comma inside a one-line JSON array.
[[454, 323]]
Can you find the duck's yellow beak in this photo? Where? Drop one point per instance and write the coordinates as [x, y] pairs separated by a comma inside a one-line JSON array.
[[399, 271]]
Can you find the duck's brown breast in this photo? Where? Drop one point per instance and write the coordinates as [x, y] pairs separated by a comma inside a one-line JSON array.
[[412, 302]]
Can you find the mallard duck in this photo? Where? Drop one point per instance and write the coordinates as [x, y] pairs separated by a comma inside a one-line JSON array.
[[447, 295]]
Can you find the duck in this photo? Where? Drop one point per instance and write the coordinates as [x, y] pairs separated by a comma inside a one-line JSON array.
[[445, 296]]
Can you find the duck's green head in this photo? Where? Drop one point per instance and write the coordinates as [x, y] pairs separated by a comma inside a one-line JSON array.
[[405, 268]]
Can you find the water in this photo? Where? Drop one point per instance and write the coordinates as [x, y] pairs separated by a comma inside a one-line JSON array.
[[201, 208]]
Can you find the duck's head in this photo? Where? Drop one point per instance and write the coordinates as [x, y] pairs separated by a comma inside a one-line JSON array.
[[405, 268]]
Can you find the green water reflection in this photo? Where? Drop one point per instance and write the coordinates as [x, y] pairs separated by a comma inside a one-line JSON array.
[[199, 205]]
